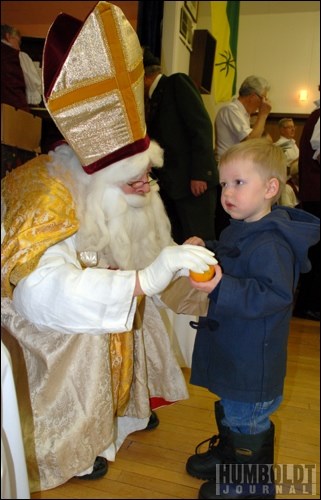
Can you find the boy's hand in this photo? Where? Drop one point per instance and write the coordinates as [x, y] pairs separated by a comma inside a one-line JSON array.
[[208, 286], [195, 240]]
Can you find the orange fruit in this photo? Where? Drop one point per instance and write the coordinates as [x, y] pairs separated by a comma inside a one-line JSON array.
[[206, 276]]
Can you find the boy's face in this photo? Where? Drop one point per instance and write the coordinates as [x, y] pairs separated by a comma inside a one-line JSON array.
[[245, 194]]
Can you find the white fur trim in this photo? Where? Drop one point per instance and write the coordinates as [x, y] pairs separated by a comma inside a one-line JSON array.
[[132, 168], [118, 173]]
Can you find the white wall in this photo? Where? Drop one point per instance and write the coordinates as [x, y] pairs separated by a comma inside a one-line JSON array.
[[283, 48], [175, 55]]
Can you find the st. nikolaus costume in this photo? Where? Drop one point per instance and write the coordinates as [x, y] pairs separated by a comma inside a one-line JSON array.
[[89, 360]]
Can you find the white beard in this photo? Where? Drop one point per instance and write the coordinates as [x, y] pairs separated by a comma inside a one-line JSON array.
[[130, 230], [127, 231]]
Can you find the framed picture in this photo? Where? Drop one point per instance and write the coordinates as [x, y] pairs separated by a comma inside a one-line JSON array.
[[186, 28], [192, 8]]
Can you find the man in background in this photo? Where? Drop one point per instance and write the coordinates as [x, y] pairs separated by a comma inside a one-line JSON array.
[[233, 124], [20, 79], [233, 121], [286, 141], [177, 119]]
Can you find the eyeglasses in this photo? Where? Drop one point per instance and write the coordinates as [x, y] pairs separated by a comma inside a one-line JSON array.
[[140, 184]]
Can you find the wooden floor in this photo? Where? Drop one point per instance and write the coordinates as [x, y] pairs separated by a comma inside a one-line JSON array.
[[151, 464]]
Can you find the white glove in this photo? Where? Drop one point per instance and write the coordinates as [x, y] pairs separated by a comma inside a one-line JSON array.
[[157, 276]]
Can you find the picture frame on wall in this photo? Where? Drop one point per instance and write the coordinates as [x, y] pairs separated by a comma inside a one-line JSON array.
[[192, 8], [186, 28]]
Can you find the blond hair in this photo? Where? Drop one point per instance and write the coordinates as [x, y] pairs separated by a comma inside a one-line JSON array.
[[268, 159]]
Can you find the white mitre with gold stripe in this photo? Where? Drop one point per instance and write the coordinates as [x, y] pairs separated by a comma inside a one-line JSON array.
[[93, 80]]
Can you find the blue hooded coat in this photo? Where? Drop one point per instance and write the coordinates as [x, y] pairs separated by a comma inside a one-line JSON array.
[[240, 350]]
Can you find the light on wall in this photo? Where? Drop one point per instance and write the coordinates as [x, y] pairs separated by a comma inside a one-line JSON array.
[[303, 95]]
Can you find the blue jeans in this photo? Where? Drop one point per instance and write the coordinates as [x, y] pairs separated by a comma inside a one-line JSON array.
[[249, 418]]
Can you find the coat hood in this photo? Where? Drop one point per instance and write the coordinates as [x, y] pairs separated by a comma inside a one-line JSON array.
[[300, 229]]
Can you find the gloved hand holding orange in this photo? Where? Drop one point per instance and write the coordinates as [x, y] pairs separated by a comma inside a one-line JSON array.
[[205, 276]]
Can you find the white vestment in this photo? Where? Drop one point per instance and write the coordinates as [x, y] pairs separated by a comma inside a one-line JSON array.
[[64, 329]]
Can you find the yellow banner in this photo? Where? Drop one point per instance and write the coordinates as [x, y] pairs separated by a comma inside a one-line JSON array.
[[225, 55]]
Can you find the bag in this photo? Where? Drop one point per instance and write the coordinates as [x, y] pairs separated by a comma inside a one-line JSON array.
[[181, 298]]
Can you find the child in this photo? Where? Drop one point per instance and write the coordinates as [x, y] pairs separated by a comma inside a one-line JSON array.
[[240, 347]]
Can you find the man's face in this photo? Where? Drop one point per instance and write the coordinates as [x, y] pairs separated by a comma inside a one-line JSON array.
[[14, 40], [139, 186], [288, 130]]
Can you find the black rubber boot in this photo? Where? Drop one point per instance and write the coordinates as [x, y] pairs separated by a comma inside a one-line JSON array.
[[203, 465], [99, 470], [248, 473], [153, 421]]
